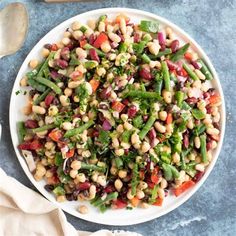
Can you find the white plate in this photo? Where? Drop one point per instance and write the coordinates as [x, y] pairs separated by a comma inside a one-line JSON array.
[[111, 217]]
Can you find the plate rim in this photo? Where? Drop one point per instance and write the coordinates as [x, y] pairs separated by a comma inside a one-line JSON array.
[[181, 32]]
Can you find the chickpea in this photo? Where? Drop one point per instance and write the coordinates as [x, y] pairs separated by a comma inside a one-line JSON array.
[[77, 34], [123, 26], [73, 173], [144, 205], [127, 126], [200, 167], [118, 184], [52, 111], [140, 194], [197, 142], [88, 32], [81, 53], [164, 183], [33, 63], [67, 125], [92, 191], [129, 195], [23, 81], [39, 110], [76, 25], [68, 92], [101, 71], [75, 165], [167, 96], [86, 153], [45, 52], [101, 26], [114, 37], [145, 147], [190, 124], [92, 24], [65, 41], [212, 131], [61, 198], [120, 128], [176, 157], [119, 152], [135, 138], [153, 47], [106, 47], [83, 209], [122, 174], [142, 185], [64, 100], [159, 127], [80, 177], [102, 180], [163, 115]]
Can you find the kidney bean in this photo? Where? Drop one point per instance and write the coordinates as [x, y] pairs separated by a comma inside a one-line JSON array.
[[171, 65], [105, 93], [191, 101], [174, 45], [49, 187], [109, 189], [54, 74], [196, 65], [145, 73], [132, 110], [48, 100], [161, 39], [65, 53], [136, 38], [48, 46], [125, 101], [198, 176], [92, 39], [31, 124], [83, 186], [61, 63]]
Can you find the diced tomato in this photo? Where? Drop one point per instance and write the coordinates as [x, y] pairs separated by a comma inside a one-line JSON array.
[[119, 17], [70, 153], [150, 184], [55, 135], [100, 40], [216, 137], [183, 187], [184, 72], [188, 56], [214, 99], [94, 84], [53, 180], [117, 106], [76, 75], [135, 201], [158, 202], [169, 119], [34, 145], [154, 175], [119, 204], [141, 174], [54, 47], [82, 43]]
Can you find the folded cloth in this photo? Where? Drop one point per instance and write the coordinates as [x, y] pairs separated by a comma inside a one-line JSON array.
[[25, 212]]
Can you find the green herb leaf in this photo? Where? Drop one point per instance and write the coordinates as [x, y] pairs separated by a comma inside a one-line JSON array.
[[197, 114], [149, 26]]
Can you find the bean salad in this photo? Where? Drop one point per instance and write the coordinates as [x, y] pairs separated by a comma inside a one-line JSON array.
[[119, 114]]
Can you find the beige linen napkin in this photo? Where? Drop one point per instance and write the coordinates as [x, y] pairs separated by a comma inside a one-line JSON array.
[[24, 212]]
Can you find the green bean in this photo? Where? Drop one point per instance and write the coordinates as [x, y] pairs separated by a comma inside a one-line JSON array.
[[138, 121], [42, 96], [205, 70], [45, 64], [134, 181], [174, 171], [110, 196], [179, 96], [154, 194], [83, 28], [166, 75], [123, 47], [58, 191], [78, 130], [167, 51], [85, 166], [34, 84], [190, 72], [34, 72], [49, 84], [144, 95], [167, 172], [147, 127], [158, 84], [43, 128], [118, 162], [180, 53], [125, 136], [90, 64], [145, 58], [99, 52], [203, 148], [21, 130]]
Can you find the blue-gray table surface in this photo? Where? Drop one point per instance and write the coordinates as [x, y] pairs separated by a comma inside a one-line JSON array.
[[212, 23]]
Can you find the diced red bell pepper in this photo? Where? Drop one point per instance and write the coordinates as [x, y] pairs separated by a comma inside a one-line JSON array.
[[117, 106], [70, 153], [188, 56], [169, 119], [215, 98], [55, 135], [82, 43], [54, 47], [119, 204], [76, 75], [183, 187], [159, 202], [100, 40], [154, 175], [34, 145], [94, 84]]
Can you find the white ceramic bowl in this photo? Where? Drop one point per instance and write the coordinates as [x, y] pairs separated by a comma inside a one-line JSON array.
[[111, 217]]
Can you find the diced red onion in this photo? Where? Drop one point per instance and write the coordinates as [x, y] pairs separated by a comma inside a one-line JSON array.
[[65, 53], [106, 125], [93, 54], [161, 39], [105, 93], [172, 66], [198, 176], [132, 110], [92, 39], [196, 65], [54, 74], [186, 140], [61, 63]]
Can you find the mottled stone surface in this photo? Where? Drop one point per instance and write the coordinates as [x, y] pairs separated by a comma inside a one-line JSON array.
[[212, 210]]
